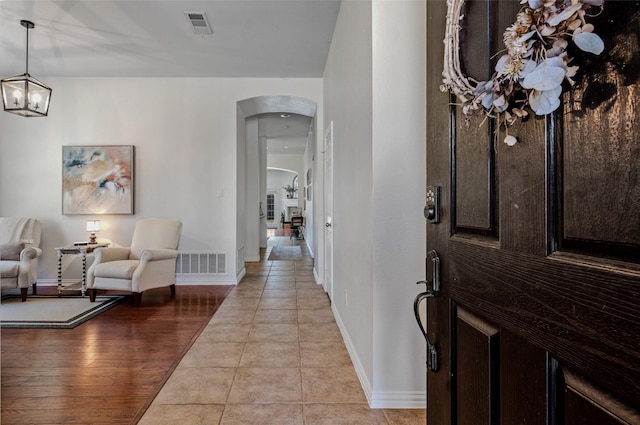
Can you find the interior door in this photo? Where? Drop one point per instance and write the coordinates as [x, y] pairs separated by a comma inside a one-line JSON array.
[[537, 320], [328, 210]]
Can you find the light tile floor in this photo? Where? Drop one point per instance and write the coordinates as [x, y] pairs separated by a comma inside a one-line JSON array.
[[272, 354]]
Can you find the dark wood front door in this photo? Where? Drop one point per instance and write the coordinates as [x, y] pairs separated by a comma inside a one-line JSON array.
[[538, 318]]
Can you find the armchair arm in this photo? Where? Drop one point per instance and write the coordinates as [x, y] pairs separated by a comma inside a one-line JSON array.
[[158, 254], [29, 253], [103, 255], [156, 269], [28, 266]]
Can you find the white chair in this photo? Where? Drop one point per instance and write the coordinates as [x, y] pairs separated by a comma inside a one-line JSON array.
[[149, 263], [19, 252]]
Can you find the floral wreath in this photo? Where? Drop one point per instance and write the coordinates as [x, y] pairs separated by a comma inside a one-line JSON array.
[[531, 72]]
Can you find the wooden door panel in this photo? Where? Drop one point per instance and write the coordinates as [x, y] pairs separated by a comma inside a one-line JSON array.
[[522, 189], [477, 372], [611, 178], [475, 39], [475, 175], [472, 151], [589, 192], [601, 153], [523, 383], [583, 315], [586, 405]]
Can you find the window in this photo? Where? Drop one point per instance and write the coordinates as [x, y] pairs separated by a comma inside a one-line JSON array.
[[270, 206]]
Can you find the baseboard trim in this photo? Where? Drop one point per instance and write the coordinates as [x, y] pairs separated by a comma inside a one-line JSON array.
[[357, 364], [181, 280], [379, 399], [54, 282], [204, 279], [398, 400], [240, 275], [309, 248]]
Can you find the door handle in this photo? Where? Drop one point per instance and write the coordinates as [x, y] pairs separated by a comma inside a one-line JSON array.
[[327, 224], [433, 290]]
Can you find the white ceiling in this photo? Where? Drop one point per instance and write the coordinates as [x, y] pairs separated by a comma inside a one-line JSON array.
[[251, 38], [125, 38], [285, 133]]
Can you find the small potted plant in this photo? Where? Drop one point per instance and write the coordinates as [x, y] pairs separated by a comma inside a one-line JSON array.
[[290, 191]]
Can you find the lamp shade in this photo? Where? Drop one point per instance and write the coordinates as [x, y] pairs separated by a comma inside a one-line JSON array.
[[93, 226], [26, 96]]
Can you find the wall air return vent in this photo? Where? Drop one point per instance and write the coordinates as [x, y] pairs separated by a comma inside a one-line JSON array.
[[200, 262], [199, 22]]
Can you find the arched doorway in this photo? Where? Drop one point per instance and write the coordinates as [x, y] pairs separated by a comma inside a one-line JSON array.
[[252, 114]]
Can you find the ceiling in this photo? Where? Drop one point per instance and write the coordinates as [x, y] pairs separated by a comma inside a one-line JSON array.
[[285, 133], [126, 38]]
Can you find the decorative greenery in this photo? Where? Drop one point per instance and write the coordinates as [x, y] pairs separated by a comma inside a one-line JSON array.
[[290, 190], [530, 74]]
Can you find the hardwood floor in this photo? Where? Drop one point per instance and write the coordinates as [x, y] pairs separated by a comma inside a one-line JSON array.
[[107, 370]]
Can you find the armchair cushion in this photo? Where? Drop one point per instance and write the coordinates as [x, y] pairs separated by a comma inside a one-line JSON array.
[[11, 251], [121, 269], [9, 268]]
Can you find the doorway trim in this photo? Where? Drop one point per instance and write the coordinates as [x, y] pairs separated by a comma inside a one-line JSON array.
[[245, 109], [328, 210]]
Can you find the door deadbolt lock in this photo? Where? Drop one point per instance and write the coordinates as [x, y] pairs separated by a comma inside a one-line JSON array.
[[432, 209]]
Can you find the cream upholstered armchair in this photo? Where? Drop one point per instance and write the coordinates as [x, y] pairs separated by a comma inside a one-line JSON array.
[[19, 252], [149, 263]]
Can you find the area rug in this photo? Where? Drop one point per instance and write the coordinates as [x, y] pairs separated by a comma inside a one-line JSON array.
[[51, 311], [285, 253]]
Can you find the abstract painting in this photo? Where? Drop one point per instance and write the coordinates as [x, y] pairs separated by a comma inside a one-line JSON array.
[[97, 179]]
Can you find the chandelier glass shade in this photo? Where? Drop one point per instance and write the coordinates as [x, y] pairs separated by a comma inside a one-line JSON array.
[[24, 95]]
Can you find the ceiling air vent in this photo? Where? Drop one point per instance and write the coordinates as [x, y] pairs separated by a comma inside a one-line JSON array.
[[199, 22]]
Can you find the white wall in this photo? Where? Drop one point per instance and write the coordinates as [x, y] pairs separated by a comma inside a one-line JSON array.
[[252, 191], [309, 163], [241, 183], [184, 131], [348, 103], [399, 155], [262, 205], [374, 91]]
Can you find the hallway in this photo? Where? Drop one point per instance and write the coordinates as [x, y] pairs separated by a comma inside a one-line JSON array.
[[272, 354]]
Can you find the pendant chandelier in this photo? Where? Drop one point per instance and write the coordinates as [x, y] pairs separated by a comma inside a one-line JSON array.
[[24, 95]]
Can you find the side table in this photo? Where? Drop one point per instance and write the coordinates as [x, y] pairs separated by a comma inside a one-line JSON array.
[[82, 250]]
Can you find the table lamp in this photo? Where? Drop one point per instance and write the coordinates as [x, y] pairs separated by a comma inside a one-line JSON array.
[[93, 226]]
